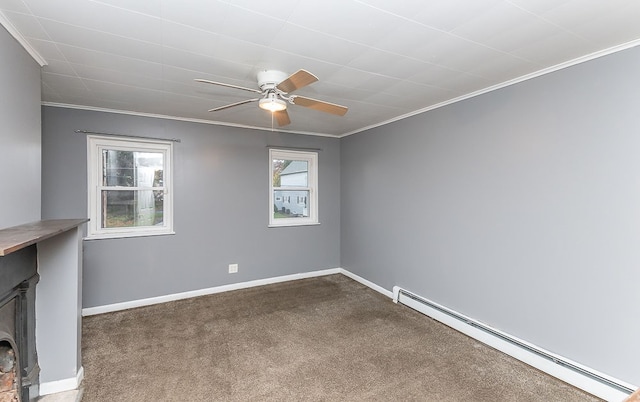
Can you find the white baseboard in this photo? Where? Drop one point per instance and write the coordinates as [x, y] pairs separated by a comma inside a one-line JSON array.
[[466, 327], [68, 384], [367, 283], [554, 365], [203, 292]]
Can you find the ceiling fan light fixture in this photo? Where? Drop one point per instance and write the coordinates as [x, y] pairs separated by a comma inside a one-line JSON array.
[[272, 104]]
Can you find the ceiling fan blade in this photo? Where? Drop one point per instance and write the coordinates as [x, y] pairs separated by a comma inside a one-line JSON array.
[[297, 80], [282, 117], [319, 105], [227, 85], [233, 104]]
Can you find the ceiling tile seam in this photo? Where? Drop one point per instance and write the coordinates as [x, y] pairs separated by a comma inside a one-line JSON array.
[[108, 82], [447, 33], [72, 67], [414, 83], [560, 27], [161, 91], [526, 77], [366, 103], [164, 19], [337, 37], [134, 75], [50, 40], [433, 86], [369, 47], [177, 23], [209, 57], [45, 32], [310, 58], [95, 30], [267, 47], [136, 40], [208, 99], [234, 5], [428, 86], [178, 118], [94, 51], [477, 93], [129, 10], [181, 77], [51, 91], [89, 29], [162, 45]]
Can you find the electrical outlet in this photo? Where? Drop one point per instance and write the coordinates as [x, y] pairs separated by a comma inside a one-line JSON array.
[[233, 268]]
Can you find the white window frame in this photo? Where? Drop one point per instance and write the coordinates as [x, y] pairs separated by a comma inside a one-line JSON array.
[[95, 146], [312, 186]]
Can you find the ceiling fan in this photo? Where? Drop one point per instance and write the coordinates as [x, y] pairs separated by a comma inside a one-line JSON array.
[[275, 88]]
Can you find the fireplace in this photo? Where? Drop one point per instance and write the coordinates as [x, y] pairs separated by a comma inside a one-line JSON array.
[[9, 373], [18, 359], [47, 253]]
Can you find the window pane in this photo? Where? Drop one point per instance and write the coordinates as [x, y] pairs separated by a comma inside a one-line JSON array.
[[290, 173], [132, 168], [290, 204], [132, 208]]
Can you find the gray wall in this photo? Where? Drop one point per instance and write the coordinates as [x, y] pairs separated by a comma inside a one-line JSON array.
[[221, 208], [19, 135], [520, 208]]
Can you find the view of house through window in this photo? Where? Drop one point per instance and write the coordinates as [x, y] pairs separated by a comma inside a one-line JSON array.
[[129, 187], [293, 188]]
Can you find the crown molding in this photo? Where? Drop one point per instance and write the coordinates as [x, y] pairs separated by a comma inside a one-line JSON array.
[[177, 118], [548, 70], [13, 31]]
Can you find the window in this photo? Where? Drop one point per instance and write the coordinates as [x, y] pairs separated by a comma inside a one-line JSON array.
[[293, 177], [129, 187]]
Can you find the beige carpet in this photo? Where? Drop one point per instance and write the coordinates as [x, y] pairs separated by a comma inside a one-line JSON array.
[[320, 339]]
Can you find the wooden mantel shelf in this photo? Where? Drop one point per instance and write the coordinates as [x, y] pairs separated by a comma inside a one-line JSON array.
[[18, 237]]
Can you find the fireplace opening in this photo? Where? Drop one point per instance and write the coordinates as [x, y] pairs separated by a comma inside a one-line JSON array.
[[9, 377], [19, 370]]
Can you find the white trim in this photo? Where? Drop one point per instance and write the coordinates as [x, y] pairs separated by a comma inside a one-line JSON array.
[[95, 145], [367, 283], [126, 235], [203, 292], [579, 60], [311, 157], [177, 118], [544, 71], [559, 371], [563, 373], [13, 31], [294, 224], [68, 384]]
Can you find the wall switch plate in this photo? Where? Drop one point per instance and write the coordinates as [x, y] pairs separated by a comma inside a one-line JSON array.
[[233, 268]]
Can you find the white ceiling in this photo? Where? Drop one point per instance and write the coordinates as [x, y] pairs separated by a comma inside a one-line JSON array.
[[382, 58]]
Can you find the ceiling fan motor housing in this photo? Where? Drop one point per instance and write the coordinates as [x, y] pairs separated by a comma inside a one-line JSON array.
[[268, 79]]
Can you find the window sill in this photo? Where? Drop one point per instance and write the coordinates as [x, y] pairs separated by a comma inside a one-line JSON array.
[[126, 235], [286, 225]]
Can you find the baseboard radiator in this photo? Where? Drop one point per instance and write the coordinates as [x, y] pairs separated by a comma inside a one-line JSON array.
[[573, 373]]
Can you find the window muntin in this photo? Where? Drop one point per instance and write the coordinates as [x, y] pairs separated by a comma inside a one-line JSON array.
[[293, 188], [129, 187]]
